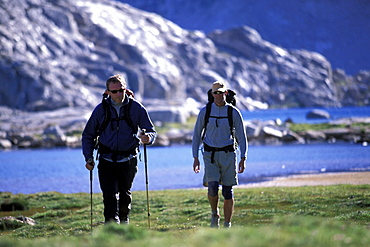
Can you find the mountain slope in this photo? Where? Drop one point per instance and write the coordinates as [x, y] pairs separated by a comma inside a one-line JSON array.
[[56, 54], [336, 29]]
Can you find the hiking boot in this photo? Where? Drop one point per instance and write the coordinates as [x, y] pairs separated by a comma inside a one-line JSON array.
[[227, 224], [215, 220], [125, 220], [115, 220]]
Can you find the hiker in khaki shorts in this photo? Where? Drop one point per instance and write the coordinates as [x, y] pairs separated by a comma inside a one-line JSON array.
[[221, 126]]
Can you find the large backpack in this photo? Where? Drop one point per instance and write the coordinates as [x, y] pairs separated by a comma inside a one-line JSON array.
[[230, 98]]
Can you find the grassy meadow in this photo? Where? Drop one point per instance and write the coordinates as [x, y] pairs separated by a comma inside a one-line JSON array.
[[279, 216]]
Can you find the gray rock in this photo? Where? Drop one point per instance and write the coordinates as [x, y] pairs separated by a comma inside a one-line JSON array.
[[168, 114], [291, 136], [162, 141], [253, 128], [318, 114], [179, 136], [5, 144], [314, 135], [55, 132], [273, 131], [11, 222]]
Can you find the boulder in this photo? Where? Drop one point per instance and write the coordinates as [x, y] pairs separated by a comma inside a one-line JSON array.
[[318, 114], [5, 144], [55, 132], [179, 136], [168, 113], [162, 141], [273, 131], [314, 135], [253, 128], [291, 136], [11, 222]]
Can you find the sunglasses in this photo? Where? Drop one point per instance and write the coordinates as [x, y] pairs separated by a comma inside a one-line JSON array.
[[116, 91], [218, 92]]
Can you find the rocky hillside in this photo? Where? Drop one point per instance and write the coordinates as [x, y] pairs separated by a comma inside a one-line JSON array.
[[57, 54], [335, 29]]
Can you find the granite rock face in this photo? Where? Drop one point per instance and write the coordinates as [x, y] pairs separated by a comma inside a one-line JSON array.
[[335, 29], [56, 54]]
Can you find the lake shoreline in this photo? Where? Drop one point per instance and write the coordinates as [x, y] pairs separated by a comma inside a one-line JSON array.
[[320, 179]]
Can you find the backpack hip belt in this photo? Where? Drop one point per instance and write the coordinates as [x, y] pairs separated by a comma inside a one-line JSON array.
[[226, 149], [106, 150]]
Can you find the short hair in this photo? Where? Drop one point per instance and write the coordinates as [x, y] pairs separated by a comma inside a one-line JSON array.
[[116, 79]]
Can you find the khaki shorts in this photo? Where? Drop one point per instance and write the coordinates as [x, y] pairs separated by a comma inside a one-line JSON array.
[[223, 170]]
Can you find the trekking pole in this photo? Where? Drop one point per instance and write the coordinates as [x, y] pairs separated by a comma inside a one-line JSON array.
[[146, 180], [91, 200], [91, 161]]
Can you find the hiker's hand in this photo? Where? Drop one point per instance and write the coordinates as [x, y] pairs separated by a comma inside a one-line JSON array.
[[241, 165], [90, 164], [196, 165], [144, 137]]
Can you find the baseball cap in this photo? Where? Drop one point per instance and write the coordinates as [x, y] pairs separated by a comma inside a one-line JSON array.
[[219, 86]]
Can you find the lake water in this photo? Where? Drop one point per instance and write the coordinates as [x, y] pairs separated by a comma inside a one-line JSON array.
[[62, 170]]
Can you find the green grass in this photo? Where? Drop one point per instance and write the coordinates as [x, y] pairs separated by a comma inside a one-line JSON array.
[[298, 216], [296, 127]]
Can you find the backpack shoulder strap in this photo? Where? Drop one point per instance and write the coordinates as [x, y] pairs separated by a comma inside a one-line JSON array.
[[107, 116], [230, 109], [127, 117], [206, 118], [106, 120]]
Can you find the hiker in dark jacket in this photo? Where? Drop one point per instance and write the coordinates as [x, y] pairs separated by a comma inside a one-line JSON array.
[[219, 151], [118, 139]]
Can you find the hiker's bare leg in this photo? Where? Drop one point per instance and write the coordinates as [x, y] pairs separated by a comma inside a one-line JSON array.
[[213, 201], [228, 209]]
